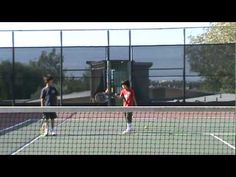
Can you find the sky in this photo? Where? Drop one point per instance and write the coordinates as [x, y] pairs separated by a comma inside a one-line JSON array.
[[96, 38], [96, 25]]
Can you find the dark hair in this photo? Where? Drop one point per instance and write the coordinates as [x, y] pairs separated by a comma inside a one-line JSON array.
[[126, 82], [47, 78]]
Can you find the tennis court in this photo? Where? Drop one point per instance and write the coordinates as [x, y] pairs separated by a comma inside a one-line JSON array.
[[97, 131]]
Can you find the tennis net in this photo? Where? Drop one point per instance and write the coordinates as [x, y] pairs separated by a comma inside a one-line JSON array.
[[180, 130]]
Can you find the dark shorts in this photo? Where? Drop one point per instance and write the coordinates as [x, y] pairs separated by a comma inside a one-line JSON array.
[[128, 115], [49, 115]]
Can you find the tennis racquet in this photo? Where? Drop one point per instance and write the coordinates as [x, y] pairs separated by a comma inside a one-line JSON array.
[[101, 97]]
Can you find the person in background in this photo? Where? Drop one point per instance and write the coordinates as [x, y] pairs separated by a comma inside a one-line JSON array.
[[49, 98], [127, 94]]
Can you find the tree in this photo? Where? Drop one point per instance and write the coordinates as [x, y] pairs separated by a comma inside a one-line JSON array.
[[5, 80], [214, 57], [24, 80], [221, 32], [76, 84], [48, 63], [28, 80]]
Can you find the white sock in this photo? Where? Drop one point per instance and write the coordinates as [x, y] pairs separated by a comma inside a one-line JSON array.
[[129, 126]]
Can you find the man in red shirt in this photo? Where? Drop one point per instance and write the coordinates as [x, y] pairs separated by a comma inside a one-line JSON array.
[[128, 96]]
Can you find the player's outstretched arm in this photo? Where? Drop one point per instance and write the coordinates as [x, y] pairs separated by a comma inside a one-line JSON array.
[[118, 96]]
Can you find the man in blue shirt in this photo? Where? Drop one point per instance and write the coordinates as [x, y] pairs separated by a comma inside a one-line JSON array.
[[49, 98]]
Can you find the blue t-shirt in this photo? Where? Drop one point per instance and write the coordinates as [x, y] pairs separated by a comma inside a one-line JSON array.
[[49, 95]]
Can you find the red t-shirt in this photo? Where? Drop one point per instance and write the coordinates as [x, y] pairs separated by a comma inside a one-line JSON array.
[[128, 96]]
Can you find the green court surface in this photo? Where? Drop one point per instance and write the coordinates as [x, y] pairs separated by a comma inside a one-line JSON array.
[[103, 137]]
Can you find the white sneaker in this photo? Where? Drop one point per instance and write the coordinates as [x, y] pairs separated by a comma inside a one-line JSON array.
[[127, 131], [53, 133]]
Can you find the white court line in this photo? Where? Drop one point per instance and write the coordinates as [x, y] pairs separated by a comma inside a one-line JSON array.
[[207, 134], [27, 144], [223, 134], [32, 141], [15, 125], [231, 146]]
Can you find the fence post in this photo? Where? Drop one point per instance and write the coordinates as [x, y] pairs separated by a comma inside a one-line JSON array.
[[13, 69], [108, 69], [61, 69], [184, 69], [130, 61]]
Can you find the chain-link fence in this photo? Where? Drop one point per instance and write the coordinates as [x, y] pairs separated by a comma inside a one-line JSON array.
[[165, 66]]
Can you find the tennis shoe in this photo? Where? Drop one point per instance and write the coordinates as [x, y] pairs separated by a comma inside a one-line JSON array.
[[128, 131], [53, 133]]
